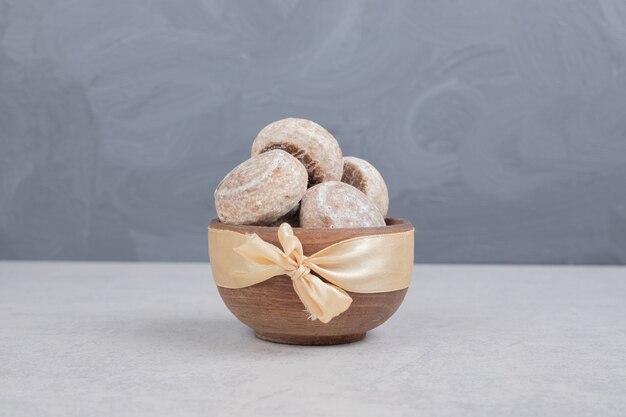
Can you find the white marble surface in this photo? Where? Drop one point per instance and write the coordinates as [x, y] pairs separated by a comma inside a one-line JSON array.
[[100, 339]]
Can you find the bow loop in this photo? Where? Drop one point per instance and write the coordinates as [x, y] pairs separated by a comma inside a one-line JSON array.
[[292, 247]]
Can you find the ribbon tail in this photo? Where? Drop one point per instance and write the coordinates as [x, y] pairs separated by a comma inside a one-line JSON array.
[[322, 301]]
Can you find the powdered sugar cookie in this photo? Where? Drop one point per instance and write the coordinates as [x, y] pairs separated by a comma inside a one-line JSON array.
[[261, 189], [365, 177], [309, 142], [334, 204]]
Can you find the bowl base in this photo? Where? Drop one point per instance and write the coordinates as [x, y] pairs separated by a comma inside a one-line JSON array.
[[309, 340]]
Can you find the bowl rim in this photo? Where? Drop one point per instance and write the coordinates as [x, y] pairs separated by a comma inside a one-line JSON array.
[[394, 224]]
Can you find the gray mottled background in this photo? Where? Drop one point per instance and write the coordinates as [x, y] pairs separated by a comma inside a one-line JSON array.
[[500, 126]]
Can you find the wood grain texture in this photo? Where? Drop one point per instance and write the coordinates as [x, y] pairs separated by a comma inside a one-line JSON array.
[[275, 312]]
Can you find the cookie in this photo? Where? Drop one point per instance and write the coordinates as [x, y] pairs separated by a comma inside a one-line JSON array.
[[309, 142], [362, 175], [334, 204], [261, 190], [293, 218]]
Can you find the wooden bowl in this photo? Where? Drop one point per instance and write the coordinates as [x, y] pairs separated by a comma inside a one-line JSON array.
[[275, 312]]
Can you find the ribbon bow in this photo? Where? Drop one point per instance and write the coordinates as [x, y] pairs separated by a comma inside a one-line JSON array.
[[322, 300]]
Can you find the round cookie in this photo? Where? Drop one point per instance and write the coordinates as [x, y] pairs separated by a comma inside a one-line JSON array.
[[261, 189], [313, 145], [333, 204], [365, 177], [293, 218]]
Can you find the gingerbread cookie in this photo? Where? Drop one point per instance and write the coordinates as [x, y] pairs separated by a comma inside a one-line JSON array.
[[262, 189], [334, 204], [309, 142], [365, 177]]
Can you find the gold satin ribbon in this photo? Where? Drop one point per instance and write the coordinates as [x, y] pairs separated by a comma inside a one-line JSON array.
[[367, 264]]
